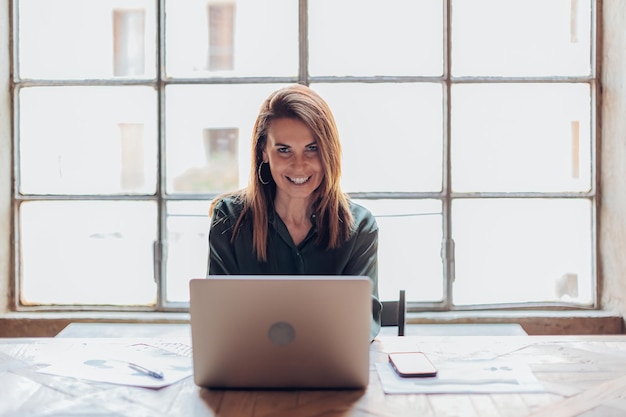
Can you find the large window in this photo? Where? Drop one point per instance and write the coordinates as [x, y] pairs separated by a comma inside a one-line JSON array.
[[468, 129]]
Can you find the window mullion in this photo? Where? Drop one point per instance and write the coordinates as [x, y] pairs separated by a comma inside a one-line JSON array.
[[447, 246], [160, 246], [303, 38]]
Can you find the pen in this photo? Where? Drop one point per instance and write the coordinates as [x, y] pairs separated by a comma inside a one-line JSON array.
[[151, 372]]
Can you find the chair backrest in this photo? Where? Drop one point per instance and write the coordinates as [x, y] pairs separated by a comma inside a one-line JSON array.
[[394, 313]]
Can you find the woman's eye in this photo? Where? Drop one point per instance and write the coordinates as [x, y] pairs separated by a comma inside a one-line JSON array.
[[311, 148], [283, 150]]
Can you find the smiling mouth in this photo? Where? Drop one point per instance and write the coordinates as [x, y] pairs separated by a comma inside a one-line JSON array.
[[298, 180]]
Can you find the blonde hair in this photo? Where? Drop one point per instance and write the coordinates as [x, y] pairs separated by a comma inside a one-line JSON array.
[[333, 218]]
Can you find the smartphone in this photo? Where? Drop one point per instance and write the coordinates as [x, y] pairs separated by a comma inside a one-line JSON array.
[[412, 364]]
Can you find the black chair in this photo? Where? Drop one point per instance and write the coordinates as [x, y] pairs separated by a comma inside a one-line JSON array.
[[394, 313]]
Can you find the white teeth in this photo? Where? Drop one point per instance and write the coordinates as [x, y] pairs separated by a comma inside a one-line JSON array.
[[299, 181]]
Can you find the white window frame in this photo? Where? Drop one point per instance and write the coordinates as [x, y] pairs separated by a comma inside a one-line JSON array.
[[448, 248]]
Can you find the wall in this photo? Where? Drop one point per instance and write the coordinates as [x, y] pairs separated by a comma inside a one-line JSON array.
[[5, 156], [612, 230]]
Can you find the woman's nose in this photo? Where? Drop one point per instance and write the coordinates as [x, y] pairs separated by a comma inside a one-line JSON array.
[[299, 161]]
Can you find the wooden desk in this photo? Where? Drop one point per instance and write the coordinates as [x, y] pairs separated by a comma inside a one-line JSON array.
[[583, 376]]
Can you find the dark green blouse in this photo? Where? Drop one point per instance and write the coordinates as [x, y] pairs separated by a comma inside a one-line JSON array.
[[357, 256]]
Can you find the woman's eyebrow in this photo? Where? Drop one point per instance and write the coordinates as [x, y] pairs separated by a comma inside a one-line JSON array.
[[284, 145]]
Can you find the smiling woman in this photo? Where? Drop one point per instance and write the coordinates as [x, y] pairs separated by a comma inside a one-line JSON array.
[[293, 218]]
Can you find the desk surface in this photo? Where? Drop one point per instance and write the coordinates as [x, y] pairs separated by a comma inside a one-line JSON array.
[[583, 376]]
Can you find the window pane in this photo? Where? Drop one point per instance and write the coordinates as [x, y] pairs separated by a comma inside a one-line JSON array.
[[521, 37], [87, 252], [409, 245], [521, 137], [231, 38], [208, 142], [514, 250], [63, 39], [370, 37], [88, 140], [187, 246], [391, 135]]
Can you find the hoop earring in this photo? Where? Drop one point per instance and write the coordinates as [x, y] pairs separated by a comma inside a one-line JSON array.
[[259, 173]]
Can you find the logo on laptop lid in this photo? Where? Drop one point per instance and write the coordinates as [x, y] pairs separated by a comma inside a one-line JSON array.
[[281, 333]]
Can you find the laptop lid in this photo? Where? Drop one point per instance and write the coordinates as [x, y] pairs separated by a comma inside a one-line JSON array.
[[281, 331]]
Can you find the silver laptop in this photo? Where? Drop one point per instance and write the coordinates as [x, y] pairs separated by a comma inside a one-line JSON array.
[[281, 331]]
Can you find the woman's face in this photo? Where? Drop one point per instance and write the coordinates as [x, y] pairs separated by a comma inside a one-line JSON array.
[[292, 153]]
